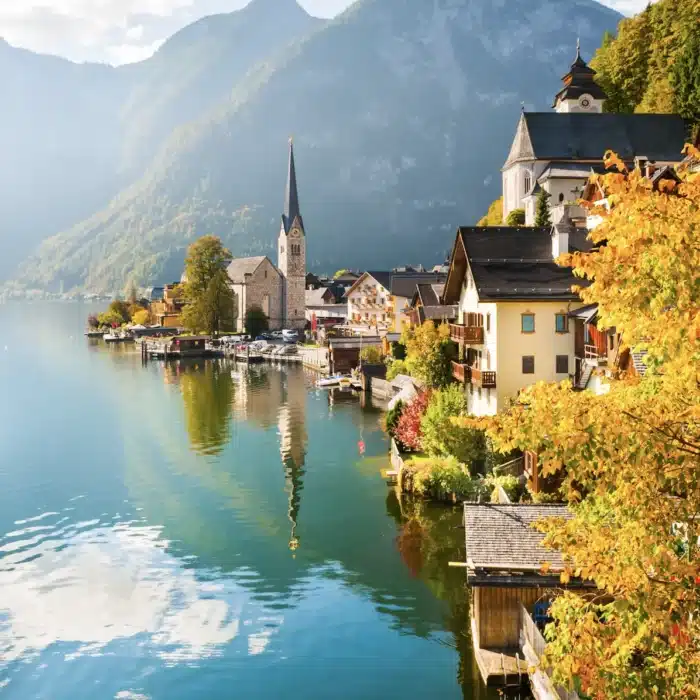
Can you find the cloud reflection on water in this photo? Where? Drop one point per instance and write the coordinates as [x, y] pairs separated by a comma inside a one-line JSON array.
[[112, 583]]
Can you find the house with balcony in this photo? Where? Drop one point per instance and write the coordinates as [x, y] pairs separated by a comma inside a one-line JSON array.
[[380, 301], [513, 309]]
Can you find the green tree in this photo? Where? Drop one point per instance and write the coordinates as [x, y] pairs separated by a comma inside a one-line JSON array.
[[371, 355], [516, 218], [256, 322], [542, 216], [207, 289], [685, 78], [444, 437], [494, 215], [429, 352]]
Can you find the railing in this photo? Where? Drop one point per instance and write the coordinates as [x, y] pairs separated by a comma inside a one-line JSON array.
[[473, 335], [460, 372], [590, 352], [483, 378]]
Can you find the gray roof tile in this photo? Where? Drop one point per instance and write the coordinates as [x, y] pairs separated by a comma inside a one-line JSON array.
[[501, 537]]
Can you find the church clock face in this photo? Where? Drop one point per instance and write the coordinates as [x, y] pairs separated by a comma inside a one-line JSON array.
[[295, 233], [585, 101]]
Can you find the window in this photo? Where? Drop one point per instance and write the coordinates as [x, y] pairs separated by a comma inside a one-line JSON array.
[[528, 364], [562, 364], [587, 334], [561, 323], [488, 322], [265, 274], [527, 323], [561, 197], [528, 183]]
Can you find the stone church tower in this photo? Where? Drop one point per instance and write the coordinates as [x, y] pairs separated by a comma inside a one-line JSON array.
[[291, 253]]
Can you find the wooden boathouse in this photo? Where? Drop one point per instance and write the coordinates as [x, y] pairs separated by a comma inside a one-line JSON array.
[[512, 578]]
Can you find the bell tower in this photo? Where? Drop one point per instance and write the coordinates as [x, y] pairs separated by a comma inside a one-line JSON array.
[[291, 253], [580, 93]]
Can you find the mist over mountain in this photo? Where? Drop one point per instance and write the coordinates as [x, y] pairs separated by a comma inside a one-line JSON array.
[[402, 113]]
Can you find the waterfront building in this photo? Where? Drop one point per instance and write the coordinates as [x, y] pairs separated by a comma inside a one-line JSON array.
[[557, 151], [279, 290], [512, 578], [513, 304], [322, 306], [380, 301]]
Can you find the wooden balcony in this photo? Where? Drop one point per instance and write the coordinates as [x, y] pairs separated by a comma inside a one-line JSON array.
[[461, 373], [486, 379], [468, 335]]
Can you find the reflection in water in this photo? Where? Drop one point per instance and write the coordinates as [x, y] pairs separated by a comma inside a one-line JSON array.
[[292, 428], [429, 537], [149, 533], [207, 392]]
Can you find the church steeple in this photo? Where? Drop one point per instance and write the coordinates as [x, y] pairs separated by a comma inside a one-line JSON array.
[[580, 93], [291, 195]]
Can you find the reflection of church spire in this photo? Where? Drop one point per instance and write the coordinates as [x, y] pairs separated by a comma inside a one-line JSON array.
[[292, 430]]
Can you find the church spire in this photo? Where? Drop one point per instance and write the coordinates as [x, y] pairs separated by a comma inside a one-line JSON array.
[[291, 196], [580, 92]]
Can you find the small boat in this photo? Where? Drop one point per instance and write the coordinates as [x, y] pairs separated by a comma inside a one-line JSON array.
[[345, 383], [94, 334], [330, 381], [111, 338]]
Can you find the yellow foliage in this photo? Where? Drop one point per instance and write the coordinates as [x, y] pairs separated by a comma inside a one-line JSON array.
[[631, 456]]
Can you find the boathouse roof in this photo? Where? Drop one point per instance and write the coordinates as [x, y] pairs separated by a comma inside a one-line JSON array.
[[501, 537]]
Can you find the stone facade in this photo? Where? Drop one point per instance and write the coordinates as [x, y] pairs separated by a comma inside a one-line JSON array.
[[257, 282], [292, 264]]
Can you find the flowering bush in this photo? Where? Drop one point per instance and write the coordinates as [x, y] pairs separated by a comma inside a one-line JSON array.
[[408, 430]]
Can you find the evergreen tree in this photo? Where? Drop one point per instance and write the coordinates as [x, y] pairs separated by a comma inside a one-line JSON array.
[[256, 321], [542, 217], [685, 79], [207, 290]]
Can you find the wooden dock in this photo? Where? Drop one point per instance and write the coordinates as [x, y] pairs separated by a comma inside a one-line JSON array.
[[501, 667]]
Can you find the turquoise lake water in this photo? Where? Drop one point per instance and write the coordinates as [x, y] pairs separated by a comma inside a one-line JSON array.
[[194, 531]]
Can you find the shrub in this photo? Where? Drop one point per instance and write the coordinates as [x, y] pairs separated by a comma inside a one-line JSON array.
[[543, 497], [516, 218], [396, 367], [439, 476], [408, 428], [256, 321], [371, 355], [391, 418], [429, 351], [441, 436]]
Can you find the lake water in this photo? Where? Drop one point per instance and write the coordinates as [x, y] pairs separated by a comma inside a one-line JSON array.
[[178, 532]]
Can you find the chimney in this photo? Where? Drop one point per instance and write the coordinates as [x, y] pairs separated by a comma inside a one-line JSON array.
[[561, 232]]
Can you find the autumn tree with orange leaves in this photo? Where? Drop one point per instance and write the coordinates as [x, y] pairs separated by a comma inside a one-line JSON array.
[[631, 457]]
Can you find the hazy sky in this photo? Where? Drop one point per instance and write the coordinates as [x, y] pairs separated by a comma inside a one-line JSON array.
[[123, 31]]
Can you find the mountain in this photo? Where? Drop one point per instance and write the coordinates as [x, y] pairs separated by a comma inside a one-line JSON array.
[[58, 133], [73, 135], [402, 112]]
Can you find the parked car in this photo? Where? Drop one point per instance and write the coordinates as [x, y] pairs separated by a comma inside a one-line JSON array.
[[290, 336]]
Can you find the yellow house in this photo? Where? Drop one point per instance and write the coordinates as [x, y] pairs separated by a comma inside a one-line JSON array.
[[513, 303]]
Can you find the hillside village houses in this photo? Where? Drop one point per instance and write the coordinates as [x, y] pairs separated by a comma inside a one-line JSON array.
[[380, 301], [516, 312]]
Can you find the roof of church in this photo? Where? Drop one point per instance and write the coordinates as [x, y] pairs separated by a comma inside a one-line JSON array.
[[240, 267], [569, 170], [586, 137], [291, 195]]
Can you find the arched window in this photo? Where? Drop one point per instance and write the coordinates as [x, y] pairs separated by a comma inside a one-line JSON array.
[[528, 183], [561, 197]]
